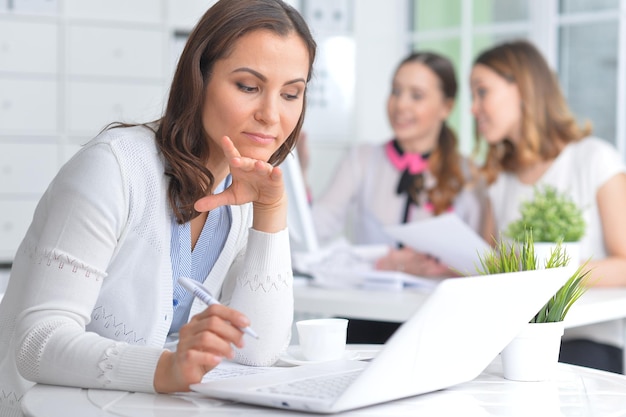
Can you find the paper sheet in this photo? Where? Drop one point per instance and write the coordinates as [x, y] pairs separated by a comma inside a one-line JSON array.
[[445, 237], [342, 265], [228, 369]]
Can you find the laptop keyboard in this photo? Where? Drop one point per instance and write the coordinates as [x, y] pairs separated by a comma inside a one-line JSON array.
[[320, 387]]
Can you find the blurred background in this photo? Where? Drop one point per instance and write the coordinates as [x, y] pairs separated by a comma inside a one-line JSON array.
[[69, 67]]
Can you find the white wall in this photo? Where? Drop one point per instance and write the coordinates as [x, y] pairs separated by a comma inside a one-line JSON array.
[[379, 33], [378, 30]]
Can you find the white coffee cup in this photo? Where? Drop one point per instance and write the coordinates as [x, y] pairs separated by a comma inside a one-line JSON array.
[[322, 339]]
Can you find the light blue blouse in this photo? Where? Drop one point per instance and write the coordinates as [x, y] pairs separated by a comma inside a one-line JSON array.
[[196, 264]]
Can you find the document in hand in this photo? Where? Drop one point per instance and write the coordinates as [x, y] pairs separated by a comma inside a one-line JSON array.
[[445, 237]]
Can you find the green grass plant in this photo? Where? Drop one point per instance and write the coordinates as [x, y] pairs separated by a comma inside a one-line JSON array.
[[514, 257]]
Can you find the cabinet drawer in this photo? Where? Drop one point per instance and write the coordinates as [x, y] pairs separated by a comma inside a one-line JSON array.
[[115, 52], [28, 106], [184, 15], [15, 217], [28, 47], [145, 11], [27, 168], [92, 106], [40, 7]]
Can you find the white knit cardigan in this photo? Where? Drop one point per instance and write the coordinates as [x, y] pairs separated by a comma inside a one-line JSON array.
[[89, 301]]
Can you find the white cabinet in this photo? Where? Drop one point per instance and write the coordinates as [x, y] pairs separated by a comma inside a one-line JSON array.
[[114, 75], [28, 106], [28, 47], [93, 105], [183, 15], [115, 52], [28, 84], [39, 7], [67, 69], [136, 11]]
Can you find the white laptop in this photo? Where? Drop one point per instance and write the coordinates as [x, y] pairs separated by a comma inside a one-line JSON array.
[[459, 330]]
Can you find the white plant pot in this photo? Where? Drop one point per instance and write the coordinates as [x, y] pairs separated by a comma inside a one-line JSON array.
[[533, 354], [543, 250]]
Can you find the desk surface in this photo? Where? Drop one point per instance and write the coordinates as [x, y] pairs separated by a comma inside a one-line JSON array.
[[596, 305], [574, 391]]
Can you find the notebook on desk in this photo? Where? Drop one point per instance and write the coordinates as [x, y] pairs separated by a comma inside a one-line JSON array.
[[450, 339]]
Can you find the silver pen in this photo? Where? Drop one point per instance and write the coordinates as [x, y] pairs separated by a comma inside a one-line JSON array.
[[198, 290]]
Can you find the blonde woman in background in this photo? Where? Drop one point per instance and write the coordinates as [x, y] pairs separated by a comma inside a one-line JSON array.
[[533, 139]]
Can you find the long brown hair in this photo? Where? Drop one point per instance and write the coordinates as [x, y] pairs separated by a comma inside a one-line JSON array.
[[445, 161], [180, 135], [547, 122]]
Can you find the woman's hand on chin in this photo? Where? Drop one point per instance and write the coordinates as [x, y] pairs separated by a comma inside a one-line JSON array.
[[253, 181]]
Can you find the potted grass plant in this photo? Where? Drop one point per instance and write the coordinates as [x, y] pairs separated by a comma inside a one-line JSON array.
[[532, 355], [553, 218]]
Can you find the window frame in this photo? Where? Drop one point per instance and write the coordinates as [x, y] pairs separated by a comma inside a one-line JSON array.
[[542, 28]]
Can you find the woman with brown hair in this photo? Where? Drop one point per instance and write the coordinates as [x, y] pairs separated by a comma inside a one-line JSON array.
[[533, 139], [94, 299]]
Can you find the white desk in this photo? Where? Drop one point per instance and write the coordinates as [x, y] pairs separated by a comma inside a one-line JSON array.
[[595, 306], [574, 391]]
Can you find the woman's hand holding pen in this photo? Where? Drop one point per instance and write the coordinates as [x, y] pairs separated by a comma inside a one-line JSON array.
[[253, 181], [204, 342]]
